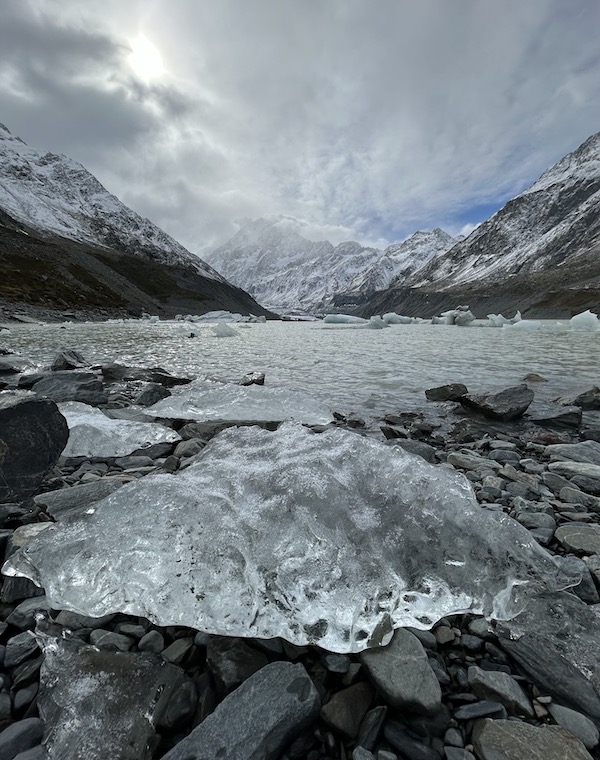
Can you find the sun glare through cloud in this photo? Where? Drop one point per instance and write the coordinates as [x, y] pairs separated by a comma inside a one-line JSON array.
[[146, 59]]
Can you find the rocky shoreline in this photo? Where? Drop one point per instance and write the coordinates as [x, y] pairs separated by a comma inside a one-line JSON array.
[[467, 688]]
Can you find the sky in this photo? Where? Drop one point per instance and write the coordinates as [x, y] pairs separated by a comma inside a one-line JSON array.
[[359, 119]]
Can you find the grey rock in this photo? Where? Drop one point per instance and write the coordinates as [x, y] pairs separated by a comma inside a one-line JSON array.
[[500, 687], [336, 663], [346, 709], [23, 614], [579, 538], [570, 469], [111, 641], [19, 648], [76, 499], [360, 753], [253, 378], [33, 434], [536, 520], [75, 622], [589, 399], [153, 641], [555, 416], [556, 641], [499, 455], [454, 738], [25, 696], [586, 589], [419, 448], [402, 673], [509, 404], [115, 373], [189, 447], [257, 720], [407, 744], [72, 386], [371, 726], [450, 392], [583, 728], [5, 706], [471, 461], [19, 737], [131, 462], [457, 753], [152, 393], [584, 451], [555, 482], [480, 709], [179, 708], [514, 740], [588, 484], [35, 753], [574, 496], [178, 651], [68, 359]]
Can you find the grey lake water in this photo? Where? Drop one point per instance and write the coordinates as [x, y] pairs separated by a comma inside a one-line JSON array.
[[365, 371]]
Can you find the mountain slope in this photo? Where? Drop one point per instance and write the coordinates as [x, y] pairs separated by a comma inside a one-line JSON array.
[[542, 247], [67, 242], [285, 271]]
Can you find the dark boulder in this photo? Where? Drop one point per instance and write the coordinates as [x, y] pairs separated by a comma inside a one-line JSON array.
[[451, 392], [68, 359], [508, 404], [33, 434], [151, 394], [589, 399], [118, 373], [68, 385]]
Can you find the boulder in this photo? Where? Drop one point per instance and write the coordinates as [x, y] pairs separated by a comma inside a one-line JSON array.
[[151, 394], [33, 434], [513, 740], [68, 385], [450, 392], [118, 373], [508, 404], [589, 399], [555, 416], [68, 359], [257, 720]]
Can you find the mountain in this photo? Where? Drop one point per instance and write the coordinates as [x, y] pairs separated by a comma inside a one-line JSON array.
[[285, 271], [540, 252], [66, 242]]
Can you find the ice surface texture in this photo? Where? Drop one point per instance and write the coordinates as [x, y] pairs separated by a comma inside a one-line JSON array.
[[207, 401], [93, 434], [328, 538]]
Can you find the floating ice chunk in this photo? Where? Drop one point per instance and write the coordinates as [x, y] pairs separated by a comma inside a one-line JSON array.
[[221, 330], [93, 434], [498, 320], [98, 704], [396, 319], [327, 538], [584, 322], [517, 317], [460, 317], [223, 402], [524, 324], [376, 323], [344, 319]]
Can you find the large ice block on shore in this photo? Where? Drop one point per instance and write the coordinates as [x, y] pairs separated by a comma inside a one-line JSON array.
[[93, 434], [207, 401], [330, 538], [343, 319]]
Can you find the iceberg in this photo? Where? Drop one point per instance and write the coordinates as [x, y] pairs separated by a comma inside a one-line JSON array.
[[524, 324], [498, 320], [584, 322], [206, 401], [396, 319], [93, 434], [343, 319], [376, 323], [462, 316], [326, 538], [221, 330]]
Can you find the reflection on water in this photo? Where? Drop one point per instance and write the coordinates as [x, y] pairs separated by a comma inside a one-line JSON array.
[[368, 371]]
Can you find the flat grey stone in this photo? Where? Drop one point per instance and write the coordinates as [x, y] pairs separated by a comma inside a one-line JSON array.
[[401, 671], [19, 737], [76, 499], [508, 404], [231, 661], [257, 720], [68, 359], [584, 451], [576, 468], [471, 462], [450, 392], [74, 621], [500, 687], [418, 448], [586, 589], [35, 753], [23, 614], [114, 642], [19, 648], [69, 385], [346, 709], [574, 496], [583, 728], [578, 538], [514, 740]]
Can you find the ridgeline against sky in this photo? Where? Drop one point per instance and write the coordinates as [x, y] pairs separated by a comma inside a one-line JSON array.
[[361, 121]]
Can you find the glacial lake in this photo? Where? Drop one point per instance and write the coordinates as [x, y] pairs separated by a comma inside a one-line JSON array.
[[369, 372]]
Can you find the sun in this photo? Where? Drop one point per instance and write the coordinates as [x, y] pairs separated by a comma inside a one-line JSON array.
[[145, 59]]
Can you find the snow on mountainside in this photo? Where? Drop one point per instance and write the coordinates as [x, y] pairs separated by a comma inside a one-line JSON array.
[[283, 270], [555, 223], [56, 195]]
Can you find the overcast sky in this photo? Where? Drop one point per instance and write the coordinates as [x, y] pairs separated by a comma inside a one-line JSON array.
[[362, 119]]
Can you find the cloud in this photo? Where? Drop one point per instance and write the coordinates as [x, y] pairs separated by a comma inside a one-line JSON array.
[[360, 123]]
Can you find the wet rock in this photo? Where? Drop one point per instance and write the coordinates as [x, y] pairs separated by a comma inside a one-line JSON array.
[[258, 719], [582, 469], [406, 744], [457, 753], [500, 687], [371, 726], [513, 740], [588, 400], [68, 359], [19, 648], [85, 387], [584, 451], [115, 373], [23, 615], [575, 496], [33, 434], [153, 641], [253, 378], [450, 392], [232, 661], [152, 393], [75, 500], [75, 622], [19, 737], [508, 404], [111, 641], [555, 416], [401, 672], [346, 709], [418, 448], [556, 641], [480, 709]]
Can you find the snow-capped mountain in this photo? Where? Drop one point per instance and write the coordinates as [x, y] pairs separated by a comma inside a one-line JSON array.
[[54, 194], [540, 253], [285, 271], [554, 223], [48, 202]]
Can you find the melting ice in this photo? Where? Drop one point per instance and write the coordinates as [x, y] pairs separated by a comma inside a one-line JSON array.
[[331, 538]]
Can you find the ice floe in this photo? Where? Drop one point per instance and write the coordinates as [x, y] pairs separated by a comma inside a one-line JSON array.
[[332, 539]]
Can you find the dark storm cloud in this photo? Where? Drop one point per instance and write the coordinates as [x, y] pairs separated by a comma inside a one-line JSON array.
[[362, 120]]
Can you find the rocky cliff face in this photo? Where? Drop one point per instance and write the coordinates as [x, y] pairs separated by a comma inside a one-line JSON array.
[[542, 246], [284, 270], [68, 243]]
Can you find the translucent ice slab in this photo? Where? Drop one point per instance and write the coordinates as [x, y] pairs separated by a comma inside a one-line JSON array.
[[330, 538], [93, 434], [206, 401]]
